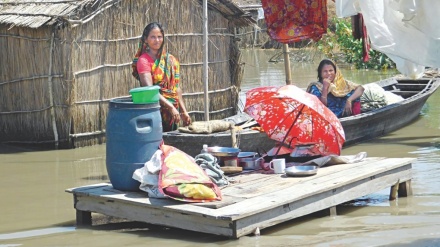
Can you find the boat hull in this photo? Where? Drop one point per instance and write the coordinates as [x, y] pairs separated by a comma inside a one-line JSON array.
[[362, 127]]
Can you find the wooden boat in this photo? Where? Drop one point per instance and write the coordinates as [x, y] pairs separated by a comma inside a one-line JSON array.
[[372, 124], [362, 127]]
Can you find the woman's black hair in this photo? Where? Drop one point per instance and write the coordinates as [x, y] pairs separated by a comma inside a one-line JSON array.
[[322, 64], [148, 29]]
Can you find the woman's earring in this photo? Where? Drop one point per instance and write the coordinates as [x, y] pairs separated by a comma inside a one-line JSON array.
[[145, 47]]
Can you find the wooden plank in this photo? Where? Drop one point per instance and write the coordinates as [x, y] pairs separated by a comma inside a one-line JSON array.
[[140, 198], [251, 185], [333, 211], [393, 191], [226, 200], [83, 189], [258, 201], [318, 185], [254, 184], [405, 189], [83, 218], [157, 216], [313, 203]]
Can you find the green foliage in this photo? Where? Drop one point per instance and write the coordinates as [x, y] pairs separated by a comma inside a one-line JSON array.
[[342, 40]]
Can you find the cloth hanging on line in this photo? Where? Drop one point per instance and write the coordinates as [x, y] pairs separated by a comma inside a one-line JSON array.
[[405, 30], [359, 31], [295, 20]]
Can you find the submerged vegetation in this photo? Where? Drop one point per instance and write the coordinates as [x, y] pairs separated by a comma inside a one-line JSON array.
[[339, 43]]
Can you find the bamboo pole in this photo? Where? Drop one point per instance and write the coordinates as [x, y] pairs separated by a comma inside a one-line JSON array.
[[49, 82], [205, 58], [287, 64]]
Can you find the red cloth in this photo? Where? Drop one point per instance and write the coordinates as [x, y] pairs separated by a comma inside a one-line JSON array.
[[356, 108], [365, 40], [295, 20], [359, 31]]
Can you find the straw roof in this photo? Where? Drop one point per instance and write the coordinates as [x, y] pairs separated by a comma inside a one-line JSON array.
[[248, 5], [36, 13]]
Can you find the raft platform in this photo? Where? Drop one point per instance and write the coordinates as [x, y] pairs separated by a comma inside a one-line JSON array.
[[256, 200]]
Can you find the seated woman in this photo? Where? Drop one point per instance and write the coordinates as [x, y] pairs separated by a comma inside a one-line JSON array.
[[339, 95], [152, 65]]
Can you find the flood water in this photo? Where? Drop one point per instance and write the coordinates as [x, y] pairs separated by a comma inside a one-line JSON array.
[[36, 211]]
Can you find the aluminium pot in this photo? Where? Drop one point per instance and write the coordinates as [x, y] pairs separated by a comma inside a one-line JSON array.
[[254, 163], [247, 155], [301, 171]]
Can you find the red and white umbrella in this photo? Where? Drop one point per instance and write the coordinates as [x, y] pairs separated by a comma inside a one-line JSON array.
[[292, 116]]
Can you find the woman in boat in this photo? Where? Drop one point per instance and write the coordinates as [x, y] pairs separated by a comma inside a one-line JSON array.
[[341, 96], [152, 65]]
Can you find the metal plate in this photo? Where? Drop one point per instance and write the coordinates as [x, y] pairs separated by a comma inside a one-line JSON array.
[[247, 154], [300, 171], [223, 151]]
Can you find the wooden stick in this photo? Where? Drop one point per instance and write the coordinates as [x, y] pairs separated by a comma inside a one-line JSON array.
[[233, 135], [209, 92], [394, 190], [205, 58], [103, 66], [49, 82], [218, 111], [93, 14], [31, 78], [24, 37], [287, 64]]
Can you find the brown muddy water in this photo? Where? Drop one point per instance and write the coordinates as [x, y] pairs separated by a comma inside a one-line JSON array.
[[35, 210]]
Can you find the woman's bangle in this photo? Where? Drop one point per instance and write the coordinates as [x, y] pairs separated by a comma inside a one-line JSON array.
[[324, 97], [348, 100]]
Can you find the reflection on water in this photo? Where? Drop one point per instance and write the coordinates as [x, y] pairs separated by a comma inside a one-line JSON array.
[[35, 233], [36, 210]]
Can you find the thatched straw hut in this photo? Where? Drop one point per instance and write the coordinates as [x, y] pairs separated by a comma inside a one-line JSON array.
[[62, 61], [253, 35]]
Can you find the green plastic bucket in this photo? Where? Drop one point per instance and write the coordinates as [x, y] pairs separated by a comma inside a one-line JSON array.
[[145, 95]]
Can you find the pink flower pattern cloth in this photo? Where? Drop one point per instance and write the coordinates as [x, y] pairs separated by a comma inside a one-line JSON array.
[[292, 112]]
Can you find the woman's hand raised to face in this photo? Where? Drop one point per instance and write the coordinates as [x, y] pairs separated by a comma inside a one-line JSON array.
[[326, 82]]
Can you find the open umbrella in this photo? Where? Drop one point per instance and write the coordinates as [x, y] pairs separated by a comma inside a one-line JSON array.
[[292, 116]]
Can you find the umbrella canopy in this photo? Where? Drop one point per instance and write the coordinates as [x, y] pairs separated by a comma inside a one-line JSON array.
[[292, 116]]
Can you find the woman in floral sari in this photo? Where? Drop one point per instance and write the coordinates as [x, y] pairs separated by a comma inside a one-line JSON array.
[[341, 96], [152, 65]]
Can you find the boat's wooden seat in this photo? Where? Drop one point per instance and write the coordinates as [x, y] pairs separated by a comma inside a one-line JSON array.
[[404, 93]]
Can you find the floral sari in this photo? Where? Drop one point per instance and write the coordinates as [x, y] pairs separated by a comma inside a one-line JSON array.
[[166, 74]]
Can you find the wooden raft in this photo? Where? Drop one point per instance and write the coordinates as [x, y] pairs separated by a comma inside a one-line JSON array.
[[255, 201]]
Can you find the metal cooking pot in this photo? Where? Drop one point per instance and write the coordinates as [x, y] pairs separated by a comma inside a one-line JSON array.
[[247, 155], [255, 163]]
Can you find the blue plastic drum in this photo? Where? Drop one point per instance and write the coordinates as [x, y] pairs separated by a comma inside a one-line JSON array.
[[133, 133]]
